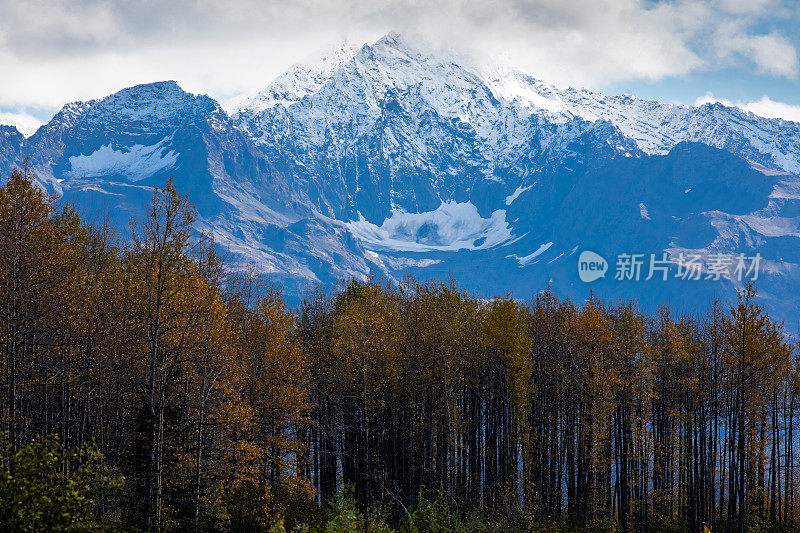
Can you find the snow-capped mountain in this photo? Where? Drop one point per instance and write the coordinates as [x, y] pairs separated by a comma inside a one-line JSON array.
[[399, 129], [657, 127], [396, 157], [392, 127], [106, 155], [139, 135]]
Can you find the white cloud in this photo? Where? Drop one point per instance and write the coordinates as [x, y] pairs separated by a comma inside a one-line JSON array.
[[26, 124], [765, 107], [709, 98], [772, 109], [745, 6], [774, 54], [770, 53]]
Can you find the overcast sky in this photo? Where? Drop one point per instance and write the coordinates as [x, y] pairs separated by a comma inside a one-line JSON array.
[[743, 52]]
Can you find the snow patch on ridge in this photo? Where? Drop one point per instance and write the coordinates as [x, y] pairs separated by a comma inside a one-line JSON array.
[[510, 199], [452, 226], [528, 258], [134, 163], [515, 86]]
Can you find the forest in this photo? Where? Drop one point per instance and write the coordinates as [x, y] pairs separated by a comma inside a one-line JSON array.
[[147, 386]]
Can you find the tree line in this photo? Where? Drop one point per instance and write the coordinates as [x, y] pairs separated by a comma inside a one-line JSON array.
[[201, 402]]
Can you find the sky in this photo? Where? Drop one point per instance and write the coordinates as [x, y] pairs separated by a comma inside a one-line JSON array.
[[739, 52]]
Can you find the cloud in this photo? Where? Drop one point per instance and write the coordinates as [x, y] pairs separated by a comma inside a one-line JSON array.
[[25, 123], [745, 6], [62, 50], [773, 54], [709, 98], [770, 53], [765, 107], [584, 42], [772, 109]]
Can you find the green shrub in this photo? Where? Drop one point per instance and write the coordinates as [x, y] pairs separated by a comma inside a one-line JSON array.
[[45, 486]]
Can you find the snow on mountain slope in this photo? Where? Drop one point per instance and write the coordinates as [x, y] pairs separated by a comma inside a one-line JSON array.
[[351, 92], [135, 162], [126, 135], [144, 134], [657, 127]]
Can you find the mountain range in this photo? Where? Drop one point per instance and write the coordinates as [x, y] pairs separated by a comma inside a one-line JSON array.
[[397, 158]]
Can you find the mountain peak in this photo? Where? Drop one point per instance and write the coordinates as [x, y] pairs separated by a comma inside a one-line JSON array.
[[394, 39], [163, 102], [159, 90], [303, 78], [139, 98], [9, 131], [412, 46]]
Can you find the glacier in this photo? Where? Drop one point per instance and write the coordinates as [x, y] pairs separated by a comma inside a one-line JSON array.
[[134, 163], [450, 227]]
